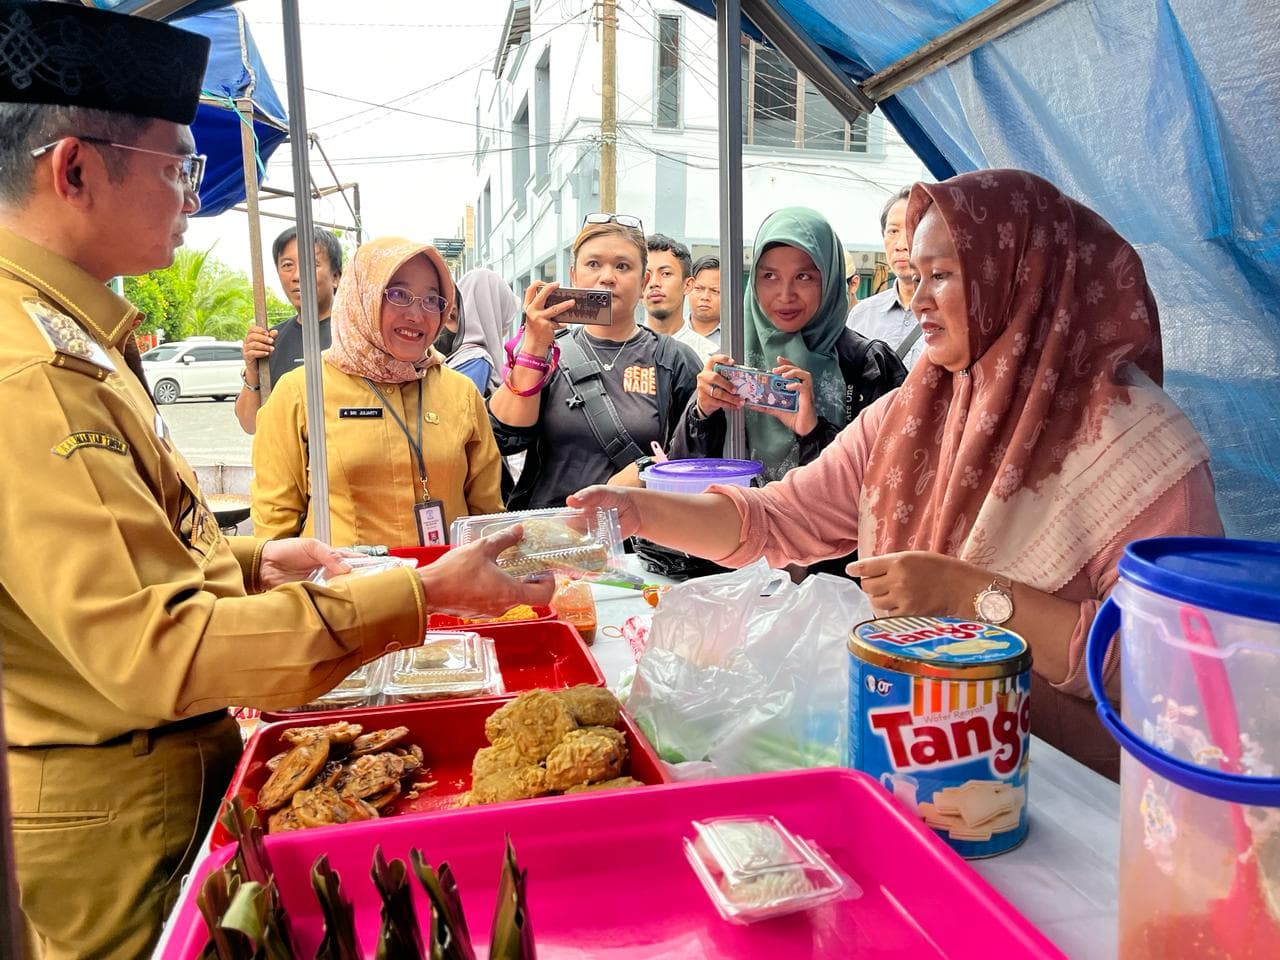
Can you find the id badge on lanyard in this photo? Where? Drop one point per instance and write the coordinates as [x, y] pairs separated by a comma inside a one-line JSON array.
[[428, 514]]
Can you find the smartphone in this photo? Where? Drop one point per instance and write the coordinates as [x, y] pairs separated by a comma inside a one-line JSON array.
[[760, 388], [591, 307]]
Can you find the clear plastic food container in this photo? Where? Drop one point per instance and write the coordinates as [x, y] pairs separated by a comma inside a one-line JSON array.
[[360, 567], [566, 540], [361, 688], [754, 868], [460, 664]]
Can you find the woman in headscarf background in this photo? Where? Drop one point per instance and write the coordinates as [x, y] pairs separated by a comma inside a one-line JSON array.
[[794, 309], [1022, 453], [409, 443], [485, 307]]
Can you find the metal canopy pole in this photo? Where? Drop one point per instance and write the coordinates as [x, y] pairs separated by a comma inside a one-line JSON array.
[[729, 86], [318, 460]]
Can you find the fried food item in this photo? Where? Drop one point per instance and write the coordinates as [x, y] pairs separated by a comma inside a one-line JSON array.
[[616, 783], [330, 774], [591, 706], [501, 785], [550, 543], [377, 740], [584, 757], [298, 768], [617, 736], [501, 757], [284, 820], [534, 722], [380, 801], [274, 762], [324, 805], [407, 750], [371, 774], [340, 732]]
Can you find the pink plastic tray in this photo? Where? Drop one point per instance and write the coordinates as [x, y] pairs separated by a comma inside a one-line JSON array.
[[608, 879]]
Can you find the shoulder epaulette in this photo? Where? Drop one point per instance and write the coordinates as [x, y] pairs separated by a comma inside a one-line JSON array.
[[74, 347]]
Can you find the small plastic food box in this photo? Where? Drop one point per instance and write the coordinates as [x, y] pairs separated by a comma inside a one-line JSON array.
[[565, 540], [461, 664], [361, 688], [361, 566], [530, 655], [753, 868]]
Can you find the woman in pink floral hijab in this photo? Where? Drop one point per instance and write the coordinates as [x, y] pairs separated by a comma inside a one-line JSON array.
[[410, 448], [1018, 458]]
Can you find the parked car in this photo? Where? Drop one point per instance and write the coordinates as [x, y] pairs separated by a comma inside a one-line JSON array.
[[198, 367]]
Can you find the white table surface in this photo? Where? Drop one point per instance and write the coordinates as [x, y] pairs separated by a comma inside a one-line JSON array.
[[1062, 879]]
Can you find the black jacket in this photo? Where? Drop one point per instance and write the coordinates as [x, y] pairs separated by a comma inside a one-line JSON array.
[[870, 369]]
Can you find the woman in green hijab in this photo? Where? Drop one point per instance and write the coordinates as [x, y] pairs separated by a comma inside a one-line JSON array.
[[794, 312]]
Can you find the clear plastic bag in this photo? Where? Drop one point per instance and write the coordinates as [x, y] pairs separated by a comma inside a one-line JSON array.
[[749, 671]]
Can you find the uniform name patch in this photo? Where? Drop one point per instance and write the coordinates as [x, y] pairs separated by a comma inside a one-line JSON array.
[[89, 438], [359, 413]]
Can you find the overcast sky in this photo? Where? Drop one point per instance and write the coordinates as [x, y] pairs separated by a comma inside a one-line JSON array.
[[376, 52]]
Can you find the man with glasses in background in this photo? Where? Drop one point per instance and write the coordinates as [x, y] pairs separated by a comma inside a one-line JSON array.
[[129, 622], [282, 344]]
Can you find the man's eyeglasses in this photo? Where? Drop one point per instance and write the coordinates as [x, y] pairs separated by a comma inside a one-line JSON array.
[[621, 219], [190, 168], [400, 297]]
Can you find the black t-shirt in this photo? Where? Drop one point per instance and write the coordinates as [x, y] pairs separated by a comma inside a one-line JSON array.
[[287, 354]]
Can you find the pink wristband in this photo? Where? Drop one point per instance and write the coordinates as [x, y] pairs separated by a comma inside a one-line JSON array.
[[533, 363]]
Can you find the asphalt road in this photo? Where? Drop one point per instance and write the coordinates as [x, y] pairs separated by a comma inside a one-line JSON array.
[[207, 432]]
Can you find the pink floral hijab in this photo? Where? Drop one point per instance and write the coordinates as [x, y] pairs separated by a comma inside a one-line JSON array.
[[1059, 435], [358, 347]]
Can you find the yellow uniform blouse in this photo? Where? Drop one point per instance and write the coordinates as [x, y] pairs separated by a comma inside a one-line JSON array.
[[122, 605], [373, 472]]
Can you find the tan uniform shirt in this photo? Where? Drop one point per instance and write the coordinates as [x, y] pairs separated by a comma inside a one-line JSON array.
[[122, 606], [373, 472]]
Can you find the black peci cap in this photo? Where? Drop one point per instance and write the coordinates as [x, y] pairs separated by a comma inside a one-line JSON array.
[[70, 55]]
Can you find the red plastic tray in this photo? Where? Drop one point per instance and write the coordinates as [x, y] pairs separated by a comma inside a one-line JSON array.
[[531, 656], [449, 734], [443, 621], [607, 876]]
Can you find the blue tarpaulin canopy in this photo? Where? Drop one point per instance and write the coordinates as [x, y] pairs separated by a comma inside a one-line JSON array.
[[235, 71], [1162, 116]]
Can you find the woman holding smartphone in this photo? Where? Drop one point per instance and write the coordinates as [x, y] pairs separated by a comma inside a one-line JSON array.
[[794, 311], [586, 401]]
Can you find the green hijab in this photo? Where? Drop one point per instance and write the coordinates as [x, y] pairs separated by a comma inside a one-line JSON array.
[[812, 348]]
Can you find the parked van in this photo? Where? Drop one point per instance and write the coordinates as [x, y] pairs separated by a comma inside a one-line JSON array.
[[198, 367]]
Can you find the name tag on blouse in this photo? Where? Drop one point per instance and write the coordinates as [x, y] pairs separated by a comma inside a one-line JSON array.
[[359, 413]]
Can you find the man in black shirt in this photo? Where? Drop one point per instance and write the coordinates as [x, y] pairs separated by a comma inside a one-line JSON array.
[[283, 342]]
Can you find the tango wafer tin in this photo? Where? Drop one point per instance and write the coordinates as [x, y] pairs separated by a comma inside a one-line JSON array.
[[940, 713]]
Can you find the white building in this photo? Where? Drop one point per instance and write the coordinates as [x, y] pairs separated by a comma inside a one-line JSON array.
[[538, 144]]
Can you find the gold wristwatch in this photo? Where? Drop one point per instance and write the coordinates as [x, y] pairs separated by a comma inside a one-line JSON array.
[[995, 604]]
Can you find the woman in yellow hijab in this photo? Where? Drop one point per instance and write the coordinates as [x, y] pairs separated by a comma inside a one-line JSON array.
[[409, 443]]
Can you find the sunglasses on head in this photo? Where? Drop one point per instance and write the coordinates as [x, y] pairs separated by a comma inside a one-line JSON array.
[[621, 219]]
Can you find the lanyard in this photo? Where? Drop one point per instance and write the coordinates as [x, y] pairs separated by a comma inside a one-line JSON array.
[[414, 445]]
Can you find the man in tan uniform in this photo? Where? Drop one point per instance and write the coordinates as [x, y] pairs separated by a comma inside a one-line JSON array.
[[128, 622]]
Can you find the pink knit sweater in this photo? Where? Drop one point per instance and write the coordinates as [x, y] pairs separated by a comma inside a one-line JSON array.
[[812, 514]]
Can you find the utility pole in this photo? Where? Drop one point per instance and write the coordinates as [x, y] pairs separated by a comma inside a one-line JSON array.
[[609, 106]]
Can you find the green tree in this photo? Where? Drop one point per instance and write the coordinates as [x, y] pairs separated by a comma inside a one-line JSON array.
[[199, 296]]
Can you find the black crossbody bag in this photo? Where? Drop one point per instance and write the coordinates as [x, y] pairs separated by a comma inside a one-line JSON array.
[[586, 378]]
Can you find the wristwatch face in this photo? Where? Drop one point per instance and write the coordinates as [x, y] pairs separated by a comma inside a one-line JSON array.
[[994, 606]]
